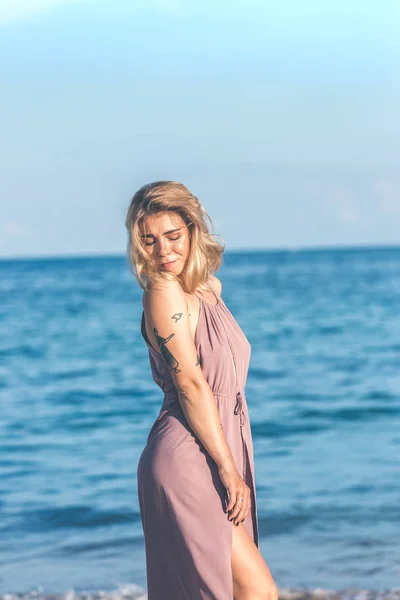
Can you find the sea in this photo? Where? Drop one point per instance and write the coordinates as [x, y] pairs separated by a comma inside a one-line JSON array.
[[77, 401]]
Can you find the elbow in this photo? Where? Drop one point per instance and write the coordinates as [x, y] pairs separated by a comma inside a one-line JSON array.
[[190, 388]]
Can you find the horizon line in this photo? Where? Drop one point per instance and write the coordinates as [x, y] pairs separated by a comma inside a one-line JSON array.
[[299, 248]]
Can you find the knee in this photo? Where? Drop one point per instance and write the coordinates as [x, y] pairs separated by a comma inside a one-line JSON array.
[[268, 592], [273, 592]]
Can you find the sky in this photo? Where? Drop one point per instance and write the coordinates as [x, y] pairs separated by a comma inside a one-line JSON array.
[[281, 117]]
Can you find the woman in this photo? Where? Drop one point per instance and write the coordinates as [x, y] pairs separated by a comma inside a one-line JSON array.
[[196, 473]]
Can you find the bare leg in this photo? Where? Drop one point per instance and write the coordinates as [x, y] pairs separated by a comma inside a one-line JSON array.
[[252, 579]]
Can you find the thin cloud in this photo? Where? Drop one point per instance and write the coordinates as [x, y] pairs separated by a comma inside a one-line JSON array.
[[13, 229], [342, 202], [347, 215], [14, 10]]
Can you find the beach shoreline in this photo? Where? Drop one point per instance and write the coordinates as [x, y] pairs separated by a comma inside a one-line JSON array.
[[133, 592]]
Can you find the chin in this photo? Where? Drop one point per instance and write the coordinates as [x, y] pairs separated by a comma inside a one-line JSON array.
[[176, 270], [171, 269]]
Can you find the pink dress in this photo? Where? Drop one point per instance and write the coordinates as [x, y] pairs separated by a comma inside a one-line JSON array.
[[188, 537]]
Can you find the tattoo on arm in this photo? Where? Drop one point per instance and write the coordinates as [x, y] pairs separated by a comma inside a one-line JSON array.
[[198, 360], [167, 355], [177, 316]]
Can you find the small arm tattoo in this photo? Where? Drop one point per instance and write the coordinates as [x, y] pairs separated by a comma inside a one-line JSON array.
[[166, 354], [177, 316], [198, 360]]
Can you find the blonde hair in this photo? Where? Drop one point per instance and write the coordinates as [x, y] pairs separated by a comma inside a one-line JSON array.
[[205, 255]]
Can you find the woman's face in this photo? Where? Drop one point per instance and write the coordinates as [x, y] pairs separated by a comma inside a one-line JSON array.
[[166, 240]]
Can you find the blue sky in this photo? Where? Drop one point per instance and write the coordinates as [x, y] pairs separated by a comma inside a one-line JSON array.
[[282, 117]]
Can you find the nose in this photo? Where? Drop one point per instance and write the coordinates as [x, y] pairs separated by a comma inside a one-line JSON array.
[[163, 247]]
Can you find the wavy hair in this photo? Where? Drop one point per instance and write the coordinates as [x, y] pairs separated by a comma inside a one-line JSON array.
[[205, 255]]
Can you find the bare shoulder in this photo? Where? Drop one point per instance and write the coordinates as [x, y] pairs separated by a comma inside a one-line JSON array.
[[216, 284], [159, 293], [166, 310]]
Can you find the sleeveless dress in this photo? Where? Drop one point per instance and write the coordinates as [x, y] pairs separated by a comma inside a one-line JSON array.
[[188, 537]]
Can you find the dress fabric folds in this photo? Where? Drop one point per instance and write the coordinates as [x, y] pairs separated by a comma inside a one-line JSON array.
[[188, 537]]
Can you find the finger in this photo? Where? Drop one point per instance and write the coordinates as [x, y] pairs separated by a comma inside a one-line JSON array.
[[241, 514], [236, 509], [238, 506], [248, 506], [248, 509], [244, 509], [232, 500]]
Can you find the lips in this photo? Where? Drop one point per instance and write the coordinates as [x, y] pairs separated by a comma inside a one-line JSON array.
[[168, 263]]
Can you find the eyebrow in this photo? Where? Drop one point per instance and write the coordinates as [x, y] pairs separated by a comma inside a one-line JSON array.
[[165, 233]]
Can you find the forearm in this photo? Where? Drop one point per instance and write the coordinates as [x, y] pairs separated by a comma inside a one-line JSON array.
[[201, 412]]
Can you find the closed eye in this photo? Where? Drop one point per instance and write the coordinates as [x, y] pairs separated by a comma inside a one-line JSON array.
[[173, 239]]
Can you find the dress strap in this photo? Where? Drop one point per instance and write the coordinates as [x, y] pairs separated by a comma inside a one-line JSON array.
[[218, 300], [216, 297]]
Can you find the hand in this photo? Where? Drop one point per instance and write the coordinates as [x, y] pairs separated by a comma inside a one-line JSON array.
[[236, 489]]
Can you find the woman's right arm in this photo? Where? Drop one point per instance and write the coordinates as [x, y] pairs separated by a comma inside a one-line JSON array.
[[166, 310]]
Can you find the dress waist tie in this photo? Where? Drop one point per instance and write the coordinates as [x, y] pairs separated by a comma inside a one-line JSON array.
[[239, 409]]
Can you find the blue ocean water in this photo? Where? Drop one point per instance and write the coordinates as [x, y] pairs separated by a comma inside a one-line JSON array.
[[77, 402]]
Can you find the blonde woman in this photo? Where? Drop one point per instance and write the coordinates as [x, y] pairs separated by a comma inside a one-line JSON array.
[[195, 476]]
